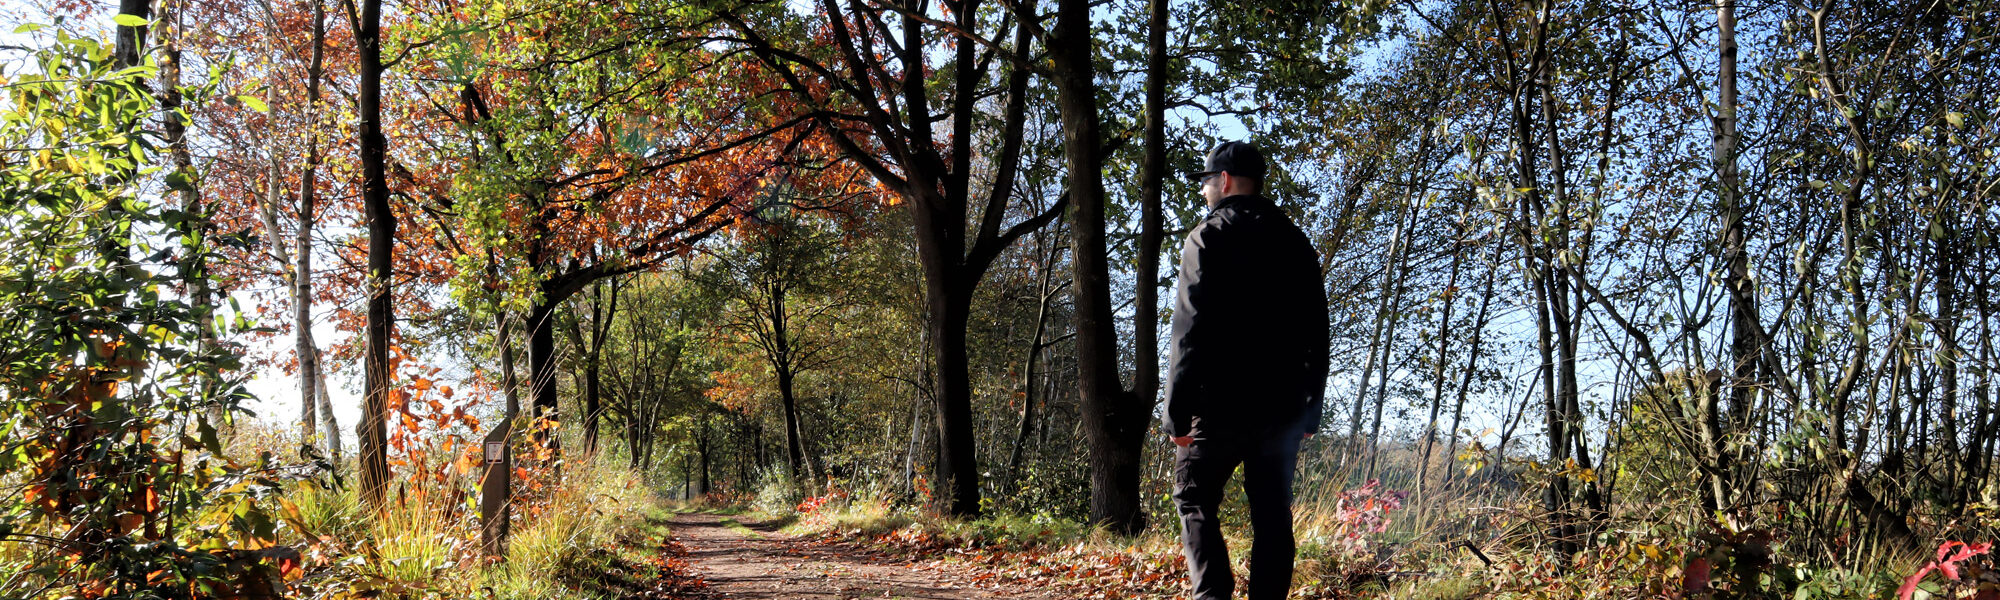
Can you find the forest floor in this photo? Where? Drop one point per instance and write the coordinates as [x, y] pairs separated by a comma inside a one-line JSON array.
[[753, 559]]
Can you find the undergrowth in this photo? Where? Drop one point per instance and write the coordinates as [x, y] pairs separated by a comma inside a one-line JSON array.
[[1369, 542], [592, 530]]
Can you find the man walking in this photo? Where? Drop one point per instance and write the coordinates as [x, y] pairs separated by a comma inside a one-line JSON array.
[[1247, 375]]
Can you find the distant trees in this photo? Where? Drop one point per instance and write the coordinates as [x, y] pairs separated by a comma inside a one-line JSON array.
[[780, 281], [653, 361], [871, 92], [1789, 326]]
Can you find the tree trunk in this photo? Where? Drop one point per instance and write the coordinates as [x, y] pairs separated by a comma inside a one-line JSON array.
[[542, 365], [591, 358], [1745, 347], [297, 274], [1400, 277], [960, 469], [794, 448], [1392, 256], [1979, 459], [1471, 359], [115, 243], [328, 422], [496, 482], [1437, 378], [701, 445], [1948, 318], [1555, 418], [381, 219], [1152, 177], [311, 382], [1044, 297], [132, 40], [1565, 319], [1382, 375], [194, 231], [1114, 420]]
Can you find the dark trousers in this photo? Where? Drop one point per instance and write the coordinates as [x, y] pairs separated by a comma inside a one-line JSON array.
[[1200, 470]]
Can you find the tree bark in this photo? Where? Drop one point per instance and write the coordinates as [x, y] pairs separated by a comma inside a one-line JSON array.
[[1152, 178], [1400, 275], [1045, 296], [794, 446], [959, 475], [1438, 376], [1114, 419], [1392, 256], [311, 380], [130, 47], [1946, 325], [591, 382], [1471, 359], [1979, 458], [496, 482], [1745, 345], [327, 420], [542, 362], [381, 219], [701, 445], [194, 231]]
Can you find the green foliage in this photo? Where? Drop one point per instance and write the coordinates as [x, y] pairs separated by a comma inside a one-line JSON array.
[[564, 549], [115, 483], [319, 511], [1651, 460], [413, 553]]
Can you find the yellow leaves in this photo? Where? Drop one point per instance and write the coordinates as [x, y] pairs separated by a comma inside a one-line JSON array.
[[291, 512], [1575, 471], [464, 465]]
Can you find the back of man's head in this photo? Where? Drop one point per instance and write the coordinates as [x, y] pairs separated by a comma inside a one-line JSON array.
[[1238, 159]]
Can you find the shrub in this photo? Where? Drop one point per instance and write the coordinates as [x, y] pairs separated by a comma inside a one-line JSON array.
[[113, 384]]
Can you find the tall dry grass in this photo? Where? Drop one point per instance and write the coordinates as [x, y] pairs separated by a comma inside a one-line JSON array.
[[566, 532]]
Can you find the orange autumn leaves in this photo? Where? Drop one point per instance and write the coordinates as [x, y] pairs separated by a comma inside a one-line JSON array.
[[620, 155]]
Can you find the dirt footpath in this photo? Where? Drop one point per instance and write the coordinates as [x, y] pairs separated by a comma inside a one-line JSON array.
[[750, 560]]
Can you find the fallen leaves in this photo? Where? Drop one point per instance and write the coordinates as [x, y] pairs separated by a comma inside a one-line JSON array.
[[1077, 571], [669, 575]]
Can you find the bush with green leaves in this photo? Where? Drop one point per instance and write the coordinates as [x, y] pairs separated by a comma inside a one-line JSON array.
[[112, 479]]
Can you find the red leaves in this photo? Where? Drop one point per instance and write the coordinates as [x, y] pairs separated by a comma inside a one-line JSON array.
[[1362, 512], [813, 504], [1950, 565], [1950, 556], [671, 575], [1695, 580]]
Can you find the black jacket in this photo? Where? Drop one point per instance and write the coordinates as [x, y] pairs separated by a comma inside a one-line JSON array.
[[1249, 352]]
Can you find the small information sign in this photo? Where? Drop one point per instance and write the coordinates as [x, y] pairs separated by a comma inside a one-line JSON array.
[[495, 452]]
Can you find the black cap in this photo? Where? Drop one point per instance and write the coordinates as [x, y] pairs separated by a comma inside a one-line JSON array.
[[1237, 158]]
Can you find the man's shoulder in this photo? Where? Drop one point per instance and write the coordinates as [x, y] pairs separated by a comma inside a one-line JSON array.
[[1246, 213], [1231, 211]]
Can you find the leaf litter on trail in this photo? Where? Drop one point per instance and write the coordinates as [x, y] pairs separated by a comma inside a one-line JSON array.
[[1078, 571], [669, 574]]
